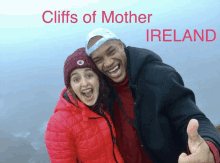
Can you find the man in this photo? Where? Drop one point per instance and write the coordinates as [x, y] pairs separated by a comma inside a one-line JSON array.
[[155, 116], [218, 128]]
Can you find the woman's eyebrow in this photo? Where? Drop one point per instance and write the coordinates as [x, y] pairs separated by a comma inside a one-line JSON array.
[[74, 74], [88, 69]]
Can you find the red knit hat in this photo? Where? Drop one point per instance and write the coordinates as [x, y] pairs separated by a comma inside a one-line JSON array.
[[79, 59]]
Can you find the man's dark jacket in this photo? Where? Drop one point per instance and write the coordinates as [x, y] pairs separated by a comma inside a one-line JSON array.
[[163, 107]]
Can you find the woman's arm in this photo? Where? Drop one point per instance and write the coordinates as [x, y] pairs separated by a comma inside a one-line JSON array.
[[60, 147]]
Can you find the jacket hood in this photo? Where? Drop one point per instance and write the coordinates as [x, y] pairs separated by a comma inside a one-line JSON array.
[[64, 105], [136, 58]]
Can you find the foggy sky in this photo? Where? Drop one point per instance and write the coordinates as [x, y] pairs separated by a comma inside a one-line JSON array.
[[32, 56]]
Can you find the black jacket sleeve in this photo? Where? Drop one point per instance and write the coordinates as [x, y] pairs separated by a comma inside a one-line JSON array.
[[180, 105]]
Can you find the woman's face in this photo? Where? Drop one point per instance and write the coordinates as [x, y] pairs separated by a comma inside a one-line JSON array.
[[85, 84]]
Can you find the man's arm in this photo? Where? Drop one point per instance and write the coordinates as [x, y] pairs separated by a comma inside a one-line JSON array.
[[179, 102]]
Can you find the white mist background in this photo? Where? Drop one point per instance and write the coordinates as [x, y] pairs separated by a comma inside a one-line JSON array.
[[32, 53]]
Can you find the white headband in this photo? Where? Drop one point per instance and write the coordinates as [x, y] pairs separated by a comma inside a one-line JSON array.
[[104, 33]]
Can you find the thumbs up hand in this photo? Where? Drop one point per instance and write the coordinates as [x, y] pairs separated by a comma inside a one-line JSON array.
[[200, 152]]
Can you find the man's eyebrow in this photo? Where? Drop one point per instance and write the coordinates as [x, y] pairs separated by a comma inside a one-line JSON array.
[[109, 48], [106, 51], [95, 58]]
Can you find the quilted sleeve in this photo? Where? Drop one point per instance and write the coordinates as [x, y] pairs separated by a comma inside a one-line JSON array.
[[60, 147]]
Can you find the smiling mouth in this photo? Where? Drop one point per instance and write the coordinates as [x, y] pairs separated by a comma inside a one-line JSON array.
[[114, 70], [88, 94]]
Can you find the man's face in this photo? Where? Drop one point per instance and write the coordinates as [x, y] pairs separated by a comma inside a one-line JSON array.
[[110, 58]]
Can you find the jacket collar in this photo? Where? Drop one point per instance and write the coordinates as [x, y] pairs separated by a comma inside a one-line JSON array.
[[136, 58], [86, 112], [80, 107]]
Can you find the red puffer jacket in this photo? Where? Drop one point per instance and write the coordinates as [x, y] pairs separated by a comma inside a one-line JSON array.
[[75, 132]]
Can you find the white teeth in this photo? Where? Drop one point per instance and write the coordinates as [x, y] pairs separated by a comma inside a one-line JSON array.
[[113, 69], [87, 91]]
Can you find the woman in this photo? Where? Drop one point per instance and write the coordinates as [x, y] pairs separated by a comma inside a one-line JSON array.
[[80, 130]]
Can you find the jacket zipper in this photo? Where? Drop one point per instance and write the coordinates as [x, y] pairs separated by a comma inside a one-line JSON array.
[[94, 117], [113, 138]]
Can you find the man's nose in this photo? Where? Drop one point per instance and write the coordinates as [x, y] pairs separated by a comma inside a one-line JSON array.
[[108, 62]]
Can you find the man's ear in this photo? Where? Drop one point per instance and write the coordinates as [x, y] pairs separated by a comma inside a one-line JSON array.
[[121, 45]]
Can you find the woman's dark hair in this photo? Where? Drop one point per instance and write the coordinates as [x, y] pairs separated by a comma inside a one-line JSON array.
[[102, 102]]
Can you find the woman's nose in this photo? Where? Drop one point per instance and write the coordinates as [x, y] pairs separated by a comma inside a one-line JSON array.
[[84, 82]]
